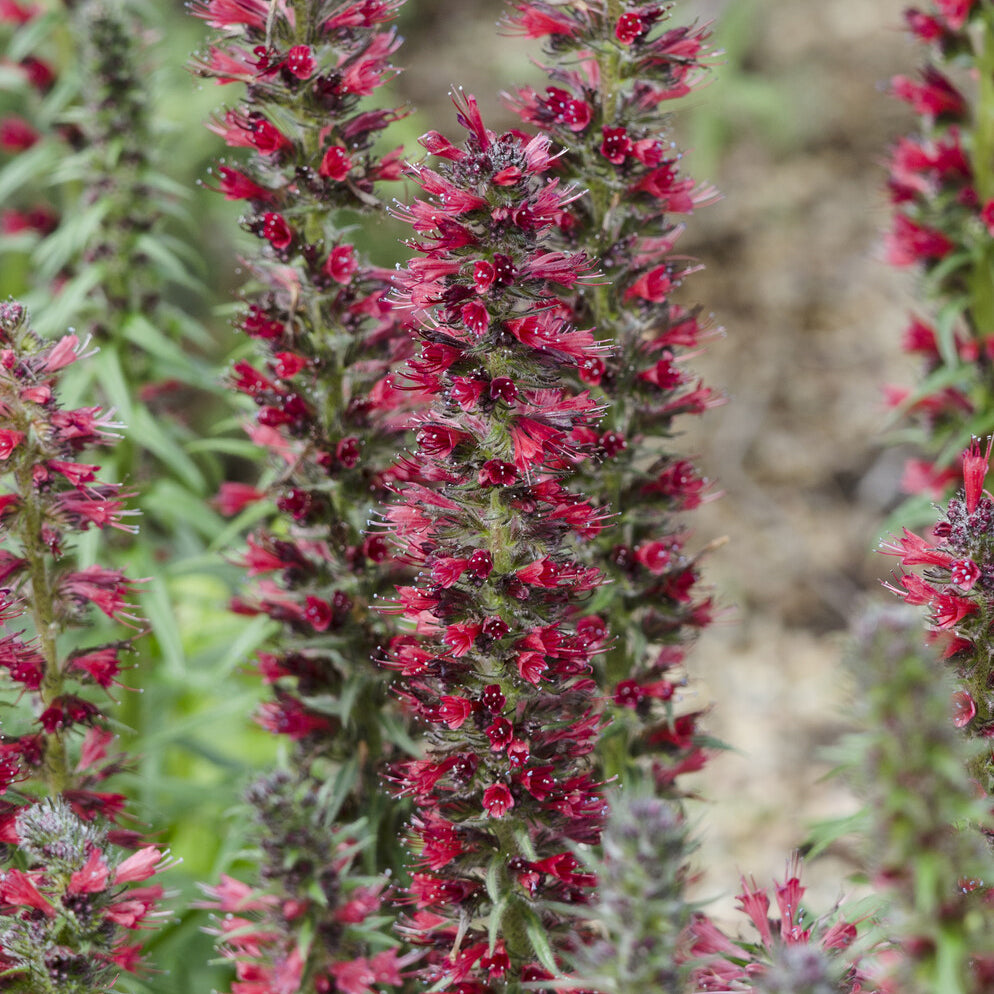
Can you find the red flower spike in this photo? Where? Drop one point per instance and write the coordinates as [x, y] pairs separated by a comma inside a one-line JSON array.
[[331, 414], [499, 437]]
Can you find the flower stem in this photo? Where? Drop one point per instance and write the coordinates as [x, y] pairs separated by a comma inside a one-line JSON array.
[[56, 763]]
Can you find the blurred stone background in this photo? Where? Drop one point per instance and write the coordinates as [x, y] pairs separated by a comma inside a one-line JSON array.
[[793, 130]]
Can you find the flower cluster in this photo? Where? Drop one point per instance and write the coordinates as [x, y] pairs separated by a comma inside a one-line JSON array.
[[316, 869], [496, 663], [327, 410], [26, 214], [325, 405], [68, 918], [613, 69], [63, 903], [640, 907], [51, 497], [943, 194], [957, 587], [794, 953]]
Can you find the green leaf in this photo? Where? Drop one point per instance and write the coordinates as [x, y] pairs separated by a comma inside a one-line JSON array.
[[241, 447], [32, 36], [493, 878], [189, 328], [110, 377], [156, 248], [945, 328], [944, 269], [12, 79], [252, 513], [137, 329], [62, 310], [496, 917], [250, 637], [525, 846], [148, 432], [825, 833], [539, 940], [158, 608], [394, 731], [170, 503], [334, 792], [25, 168]]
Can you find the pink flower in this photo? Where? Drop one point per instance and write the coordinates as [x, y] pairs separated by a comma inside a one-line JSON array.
[[9, 440], [654, 285], [17, 887], [354, 976], [916, 551], [535, 23], [454, 711], [234, 497], [276, 231], [138, 866], [934, 96], [238, 186], [948, 610], [616, 145], [101, 665], [92, 877], [909, 242], [964, 573], [955, 12]]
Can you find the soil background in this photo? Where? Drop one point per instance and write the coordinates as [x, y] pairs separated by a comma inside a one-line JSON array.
[[794, 130]]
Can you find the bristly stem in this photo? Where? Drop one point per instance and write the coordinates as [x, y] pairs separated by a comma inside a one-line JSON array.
[[42, 600]]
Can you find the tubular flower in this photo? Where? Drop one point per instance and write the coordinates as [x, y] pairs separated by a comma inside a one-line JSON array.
[[610, 74], [332, 417], [498, 662], [941, 187], [62, 913]]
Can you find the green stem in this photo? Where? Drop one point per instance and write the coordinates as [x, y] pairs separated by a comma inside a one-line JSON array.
[[56, 762]]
